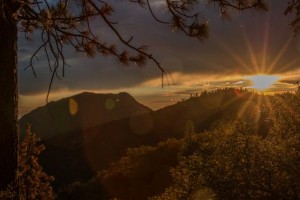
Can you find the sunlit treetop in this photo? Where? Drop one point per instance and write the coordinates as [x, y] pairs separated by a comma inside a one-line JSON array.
[[63, 23]]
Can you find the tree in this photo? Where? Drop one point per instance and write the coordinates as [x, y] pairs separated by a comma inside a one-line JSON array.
[[33, 182], [66, 22], [140, 167], [294, 8], [234, 161], [8, 91]]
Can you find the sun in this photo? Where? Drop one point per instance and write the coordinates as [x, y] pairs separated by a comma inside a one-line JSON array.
[[263, 82]]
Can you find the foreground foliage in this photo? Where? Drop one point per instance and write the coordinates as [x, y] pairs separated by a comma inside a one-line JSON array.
[[33, 182], [126, 179], [237, 160]]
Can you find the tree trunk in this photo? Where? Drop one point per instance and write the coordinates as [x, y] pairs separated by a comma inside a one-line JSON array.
[[8, 97]]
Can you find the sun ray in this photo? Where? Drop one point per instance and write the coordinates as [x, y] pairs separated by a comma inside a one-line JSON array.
[[251, 52], [290, 64], [279, 55], [265, 45], [234, 55], [258, 116], [245, 106], [233, 100], [269, 105]]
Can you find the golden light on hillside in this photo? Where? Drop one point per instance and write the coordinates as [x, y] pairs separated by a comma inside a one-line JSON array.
[[263, 82]]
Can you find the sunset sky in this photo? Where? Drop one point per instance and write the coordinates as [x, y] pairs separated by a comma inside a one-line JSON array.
[[250, 43]]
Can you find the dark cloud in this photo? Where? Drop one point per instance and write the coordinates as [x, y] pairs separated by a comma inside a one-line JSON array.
[[226, 52]]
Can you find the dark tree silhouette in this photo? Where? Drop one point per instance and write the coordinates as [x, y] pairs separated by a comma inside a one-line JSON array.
[[66, 22], [294, 8]]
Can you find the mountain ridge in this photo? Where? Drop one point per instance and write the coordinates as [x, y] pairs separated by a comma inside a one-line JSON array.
[[82, 153], [80, 111]]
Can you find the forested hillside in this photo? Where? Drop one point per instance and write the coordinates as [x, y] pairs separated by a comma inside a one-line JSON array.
[[215, 143], [254, 157], [82, 153]]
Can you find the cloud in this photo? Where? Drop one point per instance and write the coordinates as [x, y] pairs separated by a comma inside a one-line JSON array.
[[248, 43]]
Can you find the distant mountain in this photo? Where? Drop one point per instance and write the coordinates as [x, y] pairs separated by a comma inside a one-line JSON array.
[[80, 112], [79, 154]]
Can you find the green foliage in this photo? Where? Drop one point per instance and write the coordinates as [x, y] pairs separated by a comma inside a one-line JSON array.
[[32, 182], [235, 161]]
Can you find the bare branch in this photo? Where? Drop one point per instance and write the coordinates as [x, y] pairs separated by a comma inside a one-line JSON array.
[[69, 23]]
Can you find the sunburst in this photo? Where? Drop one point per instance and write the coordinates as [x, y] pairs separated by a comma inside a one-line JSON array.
[[262, 82], [259, 66]]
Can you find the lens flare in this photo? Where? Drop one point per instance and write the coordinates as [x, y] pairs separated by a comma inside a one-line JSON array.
[[73, 106], [109, 104]]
